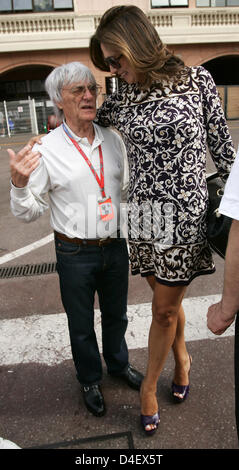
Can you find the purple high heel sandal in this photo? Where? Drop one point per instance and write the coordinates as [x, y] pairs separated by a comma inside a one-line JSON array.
[[182, 390], [150, 420]]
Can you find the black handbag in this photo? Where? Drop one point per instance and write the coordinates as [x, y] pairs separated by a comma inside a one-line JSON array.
[[218, 225]]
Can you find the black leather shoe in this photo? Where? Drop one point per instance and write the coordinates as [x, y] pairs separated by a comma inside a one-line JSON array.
[[94, 400], [132, 377]]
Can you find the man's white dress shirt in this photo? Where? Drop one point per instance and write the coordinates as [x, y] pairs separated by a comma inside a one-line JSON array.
[[73, 191], [230, 201]]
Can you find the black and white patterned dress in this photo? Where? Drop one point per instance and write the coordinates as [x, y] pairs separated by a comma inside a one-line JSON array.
[[166, 134]]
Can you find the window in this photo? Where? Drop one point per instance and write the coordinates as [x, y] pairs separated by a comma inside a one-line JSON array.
[[5, 5], [42, 5], [16, 6], [217, 3], [60, 4], [22, 5], [169, 3]]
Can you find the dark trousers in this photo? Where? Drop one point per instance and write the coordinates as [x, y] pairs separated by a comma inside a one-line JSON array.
[[84, 270], [236, 365]]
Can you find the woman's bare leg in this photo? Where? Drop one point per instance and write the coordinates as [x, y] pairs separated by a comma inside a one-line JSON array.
[[182, 361], [165, 308], [181, 356]]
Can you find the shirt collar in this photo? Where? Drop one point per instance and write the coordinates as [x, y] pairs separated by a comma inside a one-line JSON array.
[[99, 138]]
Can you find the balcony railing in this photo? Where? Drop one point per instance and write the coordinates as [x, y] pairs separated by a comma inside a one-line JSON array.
[[195, 17], [69, 30], [215, 18], [35, 23]]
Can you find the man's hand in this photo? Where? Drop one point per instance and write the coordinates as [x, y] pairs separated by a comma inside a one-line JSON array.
[[22, 165], [217, 321]]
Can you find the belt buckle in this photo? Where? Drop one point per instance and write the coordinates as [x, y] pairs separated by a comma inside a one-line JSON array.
[[102, 241]]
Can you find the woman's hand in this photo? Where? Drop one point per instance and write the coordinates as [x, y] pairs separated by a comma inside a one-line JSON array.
[[36, 139]]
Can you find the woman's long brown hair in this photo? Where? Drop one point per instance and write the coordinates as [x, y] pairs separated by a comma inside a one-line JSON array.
[[128, 31]]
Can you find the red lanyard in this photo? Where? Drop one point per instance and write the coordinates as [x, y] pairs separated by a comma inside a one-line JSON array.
[[101, 180]]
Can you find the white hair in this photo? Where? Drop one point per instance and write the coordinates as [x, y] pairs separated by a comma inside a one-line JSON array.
[[65, 74]]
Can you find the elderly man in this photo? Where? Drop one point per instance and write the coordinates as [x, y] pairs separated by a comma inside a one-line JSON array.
[[81, 167]]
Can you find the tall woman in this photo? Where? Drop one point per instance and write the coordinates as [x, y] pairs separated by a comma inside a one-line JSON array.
[[167, 113]]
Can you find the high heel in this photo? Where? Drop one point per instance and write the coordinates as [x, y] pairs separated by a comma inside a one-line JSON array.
[[148, 421], [182, 390]]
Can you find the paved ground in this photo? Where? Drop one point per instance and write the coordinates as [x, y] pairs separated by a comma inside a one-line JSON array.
[[40, 400]]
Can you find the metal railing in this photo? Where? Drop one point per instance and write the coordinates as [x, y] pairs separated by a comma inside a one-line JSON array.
[[24, 116]]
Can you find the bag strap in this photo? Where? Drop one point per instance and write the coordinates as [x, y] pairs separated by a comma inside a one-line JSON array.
[[213, 176]]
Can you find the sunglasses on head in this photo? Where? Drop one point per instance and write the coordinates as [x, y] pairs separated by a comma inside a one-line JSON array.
[[113, 61]]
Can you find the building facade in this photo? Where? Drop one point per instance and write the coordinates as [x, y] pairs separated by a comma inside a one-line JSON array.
[[37, 35]]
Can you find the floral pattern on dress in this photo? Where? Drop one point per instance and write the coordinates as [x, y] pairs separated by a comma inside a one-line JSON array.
[[166, 130]]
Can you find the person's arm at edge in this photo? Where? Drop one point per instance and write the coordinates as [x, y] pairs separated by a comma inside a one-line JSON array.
[[221, 315]]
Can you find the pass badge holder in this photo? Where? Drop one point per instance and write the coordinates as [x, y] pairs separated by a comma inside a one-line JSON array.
[[105, 208]]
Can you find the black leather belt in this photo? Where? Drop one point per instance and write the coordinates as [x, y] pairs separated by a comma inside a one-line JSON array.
[[83, 241]]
